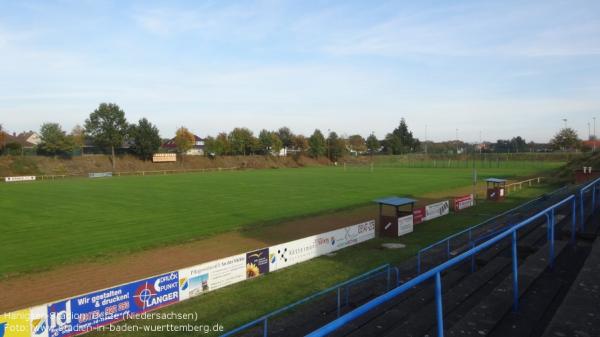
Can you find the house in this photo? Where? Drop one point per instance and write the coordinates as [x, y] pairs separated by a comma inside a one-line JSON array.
[[27, 140], [196, 150], [592, 144]]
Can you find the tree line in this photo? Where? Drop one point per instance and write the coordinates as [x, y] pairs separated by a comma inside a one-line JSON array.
[[107, 128]]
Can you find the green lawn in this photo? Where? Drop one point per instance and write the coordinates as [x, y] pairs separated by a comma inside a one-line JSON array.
[[47, 223], [240, 303]]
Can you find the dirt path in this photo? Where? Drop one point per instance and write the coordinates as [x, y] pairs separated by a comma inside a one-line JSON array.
[[38, 288]]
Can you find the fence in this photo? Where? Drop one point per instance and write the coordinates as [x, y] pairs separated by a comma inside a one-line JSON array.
[[384, 269], [519, 184], [138, 173], [548, 213], [165, 172], [584, 194]]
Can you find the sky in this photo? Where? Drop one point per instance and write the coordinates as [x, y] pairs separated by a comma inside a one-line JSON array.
[[495, 68]]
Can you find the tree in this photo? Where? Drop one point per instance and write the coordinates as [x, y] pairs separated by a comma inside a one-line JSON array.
[[2, 138], [222, 145], [54, 139], [108, 127], [78, 137], [286, 136], [276, 143], [242, 141], [336, 146], [566, 139], [300, 143], [146, 138], [269, 142], [265, 140], [357, 143], [316, 144], [401, 140], [184, 140], [373, 144], [13, 148], [518, 144]]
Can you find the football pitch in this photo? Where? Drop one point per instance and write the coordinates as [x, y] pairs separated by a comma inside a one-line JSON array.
[[49, 223]]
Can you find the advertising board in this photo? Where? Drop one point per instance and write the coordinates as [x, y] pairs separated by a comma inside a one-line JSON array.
[[436, 210], [86, 312], [418, 215], [100, 174], [20, 178], [196, 280], [405, 225], [463, 202]]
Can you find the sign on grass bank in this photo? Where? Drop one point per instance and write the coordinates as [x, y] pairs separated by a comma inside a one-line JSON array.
[[100, 174], [463, 202], [19, 178], [436, 210], [196, 280]]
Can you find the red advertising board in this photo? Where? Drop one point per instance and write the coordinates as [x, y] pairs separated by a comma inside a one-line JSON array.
[[463, 202], [418, 215]]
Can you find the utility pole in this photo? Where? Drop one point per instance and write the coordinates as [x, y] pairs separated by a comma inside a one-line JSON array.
[[425, 138], [589, 131], [328, 153], [457, 141]]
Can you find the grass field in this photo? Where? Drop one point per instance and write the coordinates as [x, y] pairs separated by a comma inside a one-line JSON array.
[[48, 223], [243, 302]]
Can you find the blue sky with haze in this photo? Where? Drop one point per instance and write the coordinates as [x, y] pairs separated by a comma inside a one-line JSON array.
[[504, 68]]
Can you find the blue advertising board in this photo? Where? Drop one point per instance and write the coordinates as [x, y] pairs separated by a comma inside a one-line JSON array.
[[83, 313]]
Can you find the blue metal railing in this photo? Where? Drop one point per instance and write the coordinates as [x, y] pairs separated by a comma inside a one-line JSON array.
[[386, 268], [436, 271], [586, 189], [469, 231]]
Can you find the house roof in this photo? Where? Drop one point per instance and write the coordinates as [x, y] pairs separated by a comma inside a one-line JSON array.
[[20, 139], [170, 144]]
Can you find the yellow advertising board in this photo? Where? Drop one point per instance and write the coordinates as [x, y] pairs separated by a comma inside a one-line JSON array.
[[15, 324]]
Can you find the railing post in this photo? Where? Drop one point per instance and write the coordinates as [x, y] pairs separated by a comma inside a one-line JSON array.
[[266, 328], [573, 219], [515, 267], [418, 262], [448, 249], [551, 238], [472, 258], [338, 302], [438, 305], [581, 218], [388, 277]]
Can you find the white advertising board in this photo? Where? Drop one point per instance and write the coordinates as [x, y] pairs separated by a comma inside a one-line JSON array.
[[405, 225], [436, 210], [208, 276], [290, 253], [21, 178]]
